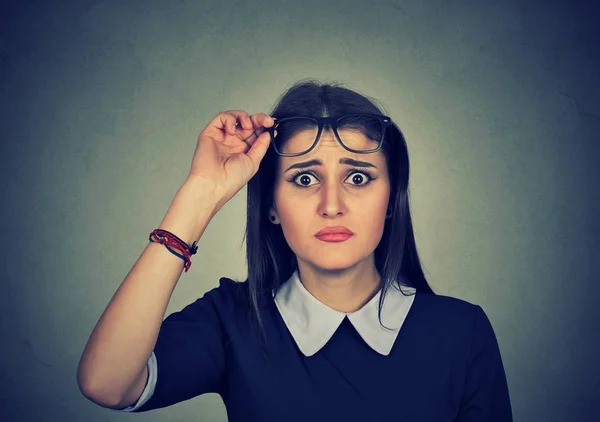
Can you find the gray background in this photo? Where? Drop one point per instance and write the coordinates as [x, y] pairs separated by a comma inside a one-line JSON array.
[[102, 102]]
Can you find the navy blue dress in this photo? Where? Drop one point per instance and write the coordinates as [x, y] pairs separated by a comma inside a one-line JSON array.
[[445, 365]]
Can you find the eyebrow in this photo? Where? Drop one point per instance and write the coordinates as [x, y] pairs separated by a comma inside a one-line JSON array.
[[315, 162]]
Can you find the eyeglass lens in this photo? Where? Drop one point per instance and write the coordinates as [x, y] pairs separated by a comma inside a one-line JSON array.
[[297, 134]]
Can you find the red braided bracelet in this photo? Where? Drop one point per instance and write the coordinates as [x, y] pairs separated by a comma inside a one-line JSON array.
[[175, 245]]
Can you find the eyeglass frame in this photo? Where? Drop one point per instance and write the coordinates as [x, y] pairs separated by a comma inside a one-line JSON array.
[[332, 123]]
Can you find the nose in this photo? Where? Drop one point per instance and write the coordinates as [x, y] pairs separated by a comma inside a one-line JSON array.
[[331, 202]]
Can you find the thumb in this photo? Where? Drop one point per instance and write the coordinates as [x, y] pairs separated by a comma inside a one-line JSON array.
[[259, 148]]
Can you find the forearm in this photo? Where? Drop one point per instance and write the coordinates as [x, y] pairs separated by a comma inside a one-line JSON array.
[[126, 333]]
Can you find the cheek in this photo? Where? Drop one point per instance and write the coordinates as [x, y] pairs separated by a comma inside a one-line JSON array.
[[373, 219], [295, 217], [294, 231], [292, 206]]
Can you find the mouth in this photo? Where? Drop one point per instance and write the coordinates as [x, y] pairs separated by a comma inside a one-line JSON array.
[[334, 237], [334, 230], [334, 234]]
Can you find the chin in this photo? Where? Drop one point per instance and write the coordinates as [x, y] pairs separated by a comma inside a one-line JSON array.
[[333, 263]]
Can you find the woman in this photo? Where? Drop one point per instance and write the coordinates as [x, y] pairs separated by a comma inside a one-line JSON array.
[[335, 321]]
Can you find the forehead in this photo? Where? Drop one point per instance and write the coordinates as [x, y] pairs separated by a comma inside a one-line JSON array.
[[329, 153]]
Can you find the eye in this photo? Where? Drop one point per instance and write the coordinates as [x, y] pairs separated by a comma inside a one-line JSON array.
[[361, 178], [301, 181]]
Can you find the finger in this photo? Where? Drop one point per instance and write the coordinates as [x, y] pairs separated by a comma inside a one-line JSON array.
[[245, 122], [242, 118], [229, 119], [224, 121], [248, 121], [258, 149], [266, 120], [254, 135], [262, 120]]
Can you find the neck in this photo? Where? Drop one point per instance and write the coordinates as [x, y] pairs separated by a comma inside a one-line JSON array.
[[346, 290]]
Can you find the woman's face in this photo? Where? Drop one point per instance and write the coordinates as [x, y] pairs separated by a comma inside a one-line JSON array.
[[312, 197]]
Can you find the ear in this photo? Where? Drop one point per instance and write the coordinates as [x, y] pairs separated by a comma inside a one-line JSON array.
[[273, 215]]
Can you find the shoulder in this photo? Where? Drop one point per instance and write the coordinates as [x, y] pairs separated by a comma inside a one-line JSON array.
[[232, 300], [229, 294], [440, 304], [447, 328], [217, 304], [449, 314], [227, 290], [230, 289]]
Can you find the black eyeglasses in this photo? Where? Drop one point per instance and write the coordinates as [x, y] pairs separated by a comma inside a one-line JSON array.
[[360, 133]]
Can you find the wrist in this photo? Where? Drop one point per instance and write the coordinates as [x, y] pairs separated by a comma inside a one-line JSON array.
[[195, 203]]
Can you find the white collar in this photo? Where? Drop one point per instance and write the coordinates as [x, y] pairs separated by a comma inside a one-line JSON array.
[[312, 323]]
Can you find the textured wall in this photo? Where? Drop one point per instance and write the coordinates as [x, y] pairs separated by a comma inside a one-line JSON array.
[[102, 102]]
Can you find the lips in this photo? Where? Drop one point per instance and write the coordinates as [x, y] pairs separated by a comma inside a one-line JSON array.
[[334, 230]]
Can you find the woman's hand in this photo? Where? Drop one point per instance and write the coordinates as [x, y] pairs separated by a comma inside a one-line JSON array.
[[229, 155]]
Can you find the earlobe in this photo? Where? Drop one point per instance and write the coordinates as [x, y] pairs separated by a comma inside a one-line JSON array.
[[273, 215]]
